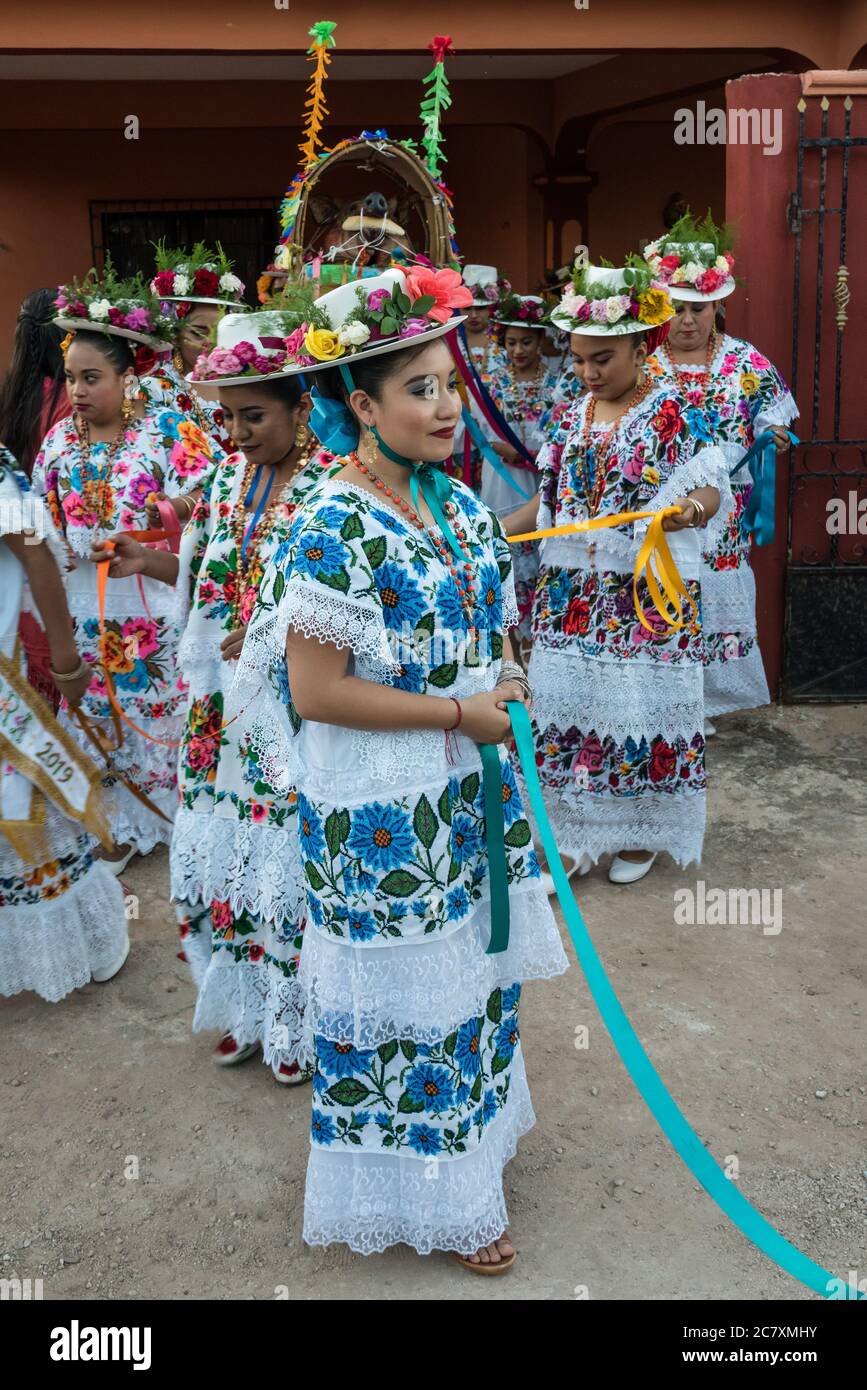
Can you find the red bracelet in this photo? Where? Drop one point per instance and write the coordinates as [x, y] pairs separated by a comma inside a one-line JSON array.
[[452, 727]]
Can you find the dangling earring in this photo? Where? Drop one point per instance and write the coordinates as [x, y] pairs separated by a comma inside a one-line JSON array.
[[131, 388], [302, 436], [178, 362], [367, 449]]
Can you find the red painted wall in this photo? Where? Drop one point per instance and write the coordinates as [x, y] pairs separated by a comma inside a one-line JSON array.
[[758, 189]]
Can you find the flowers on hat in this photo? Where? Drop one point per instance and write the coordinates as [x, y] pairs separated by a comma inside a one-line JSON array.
[[423, 299], [693, 255], [638, 301], [444, 287], [521, 308], [201, 273], [323, 344], [108, 302]]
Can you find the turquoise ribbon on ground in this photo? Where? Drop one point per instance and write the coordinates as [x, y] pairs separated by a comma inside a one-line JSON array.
[[650, 1085], [489, 454], [495, 830], [758, 515]]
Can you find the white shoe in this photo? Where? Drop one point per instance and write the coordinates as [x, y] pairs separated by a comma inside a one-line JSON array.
[[117, 866], [109, 972], [624, 871], [581, 867], [709, 728]]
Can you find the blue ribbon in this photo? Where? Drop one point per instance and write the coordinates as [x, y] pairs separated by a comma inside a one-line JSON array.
[[333, 423], [248, 500], [489, 454], [758, 514], [650, 1086], [500, 420]]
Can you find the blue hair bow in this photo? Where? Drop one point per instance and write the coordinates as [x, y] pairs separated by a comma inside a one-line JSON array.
[[333, 423]]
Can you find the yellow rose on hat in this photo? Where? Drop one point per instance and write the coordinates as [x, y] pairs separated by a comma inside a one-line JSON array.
[[323, 344], [749, 383], [654, 307]]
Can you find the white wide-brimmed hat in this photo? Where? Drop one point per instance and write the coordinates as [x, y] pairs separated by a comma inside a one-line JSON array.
[[481, 281], [608, 301], [522, 311], [256, 342], [119, 308], [693, 260]]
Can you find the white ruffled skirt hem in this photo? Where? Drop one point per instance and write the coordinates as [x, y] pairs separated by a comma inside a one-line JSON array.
[[255, 868], [370, 1201], [255, 1003], [598, 825], [54, 947], [423, 990]]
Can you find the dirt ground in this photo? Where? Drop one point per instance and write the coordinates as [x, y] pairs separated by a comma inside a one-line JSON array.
[[760, 1037]]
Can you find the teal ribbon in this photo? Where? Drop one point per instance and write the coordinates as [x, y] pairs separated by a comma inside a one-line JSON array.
[[435, 485], [495, 830], [490, 455], [758, 516], [650, 1086]]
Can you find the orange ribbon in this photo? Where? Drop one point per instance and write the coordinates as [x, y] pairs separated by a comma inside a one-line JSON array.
[[667, 592], [101, 583]]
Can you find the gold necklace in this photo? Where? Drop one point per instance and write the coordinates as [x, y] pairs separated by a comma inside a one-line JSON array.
[[95, 488]]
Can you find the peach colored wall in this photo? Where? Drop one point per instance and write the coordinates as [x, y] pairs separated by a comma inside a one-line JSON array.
[[819, 31], [48, 179], [626, 206]]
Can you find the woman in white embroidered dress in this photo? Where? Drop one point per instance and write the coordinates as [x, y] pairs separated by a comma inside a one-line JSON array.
[[740, 394], [235, 865], [390, 641], [98, 470], [618, 703], [62, 914]]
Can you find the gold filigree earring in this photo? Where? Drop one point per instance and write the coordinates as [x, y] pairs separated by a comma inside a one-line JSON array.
[[367, 449]]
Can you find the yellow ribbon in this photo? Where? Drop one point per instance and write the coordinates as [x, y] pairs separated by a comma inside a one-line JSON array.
[[667, 591]]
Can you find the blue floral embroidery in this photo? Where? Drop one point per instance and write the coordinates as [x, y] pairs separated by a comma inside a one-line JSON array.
[[310, 829], [381, 836], [403, 602]]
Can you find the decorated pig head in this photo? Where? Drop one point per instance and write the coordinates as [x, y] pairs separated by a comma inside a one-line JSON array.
[[368, 225]]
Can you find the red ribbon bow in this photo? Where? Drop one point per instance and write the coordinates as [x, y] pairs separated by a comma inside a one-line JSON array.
[[440, 45]]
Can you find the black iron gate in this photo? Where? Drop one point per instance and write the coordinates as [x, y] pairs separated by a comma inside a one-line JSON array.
[[825, 651]]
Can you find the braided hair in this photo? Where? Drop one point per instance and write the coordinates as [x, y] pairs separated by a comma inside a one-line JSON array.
[[36, 358]]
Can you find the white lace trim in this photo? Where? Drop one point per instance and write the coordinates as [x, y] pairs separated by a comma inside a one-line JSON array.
[[603, 824], [370, 1201], [255, 1003], [735, 683], [782, 411], [315, 613], [123, 597], [54, 947], [370, 994], [728, 600], [255, 868], [707, 468], [510, 603], [616, 698]]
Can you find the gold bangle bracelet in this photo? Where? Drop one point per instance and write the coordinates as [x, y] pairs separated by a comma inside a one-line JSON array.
[[75, 675]]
